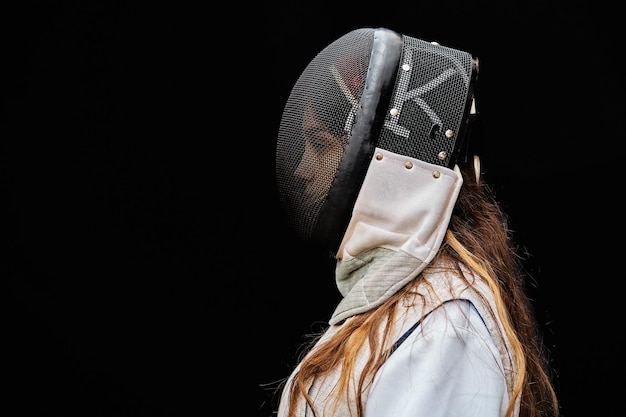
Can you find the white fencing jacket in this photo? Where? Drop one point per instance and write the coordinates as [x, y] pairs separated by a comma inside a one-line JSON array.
[[455, 362]]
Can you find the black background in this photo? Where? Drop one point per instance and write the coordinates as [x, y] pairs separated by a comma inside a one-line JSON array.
[[148, 269]]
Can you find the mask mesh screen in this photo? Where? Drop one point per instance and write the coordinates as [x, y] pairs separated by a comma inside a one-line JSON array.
[[315, 126]]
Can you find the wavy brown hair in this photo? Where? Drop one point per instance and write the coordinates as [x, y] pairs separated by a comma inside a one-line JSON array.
[[479, 238]]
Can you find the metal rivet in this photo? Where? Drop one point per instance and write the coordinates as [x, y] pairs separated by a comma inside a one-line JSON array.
[[406, 67], [442, 155], [436, 174], [449, 133], [393, 112], [408, 165], [379, 156]]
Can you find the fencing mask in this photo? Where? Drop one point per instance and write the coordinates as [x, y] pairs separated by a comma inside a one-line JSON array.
[[373, 128]]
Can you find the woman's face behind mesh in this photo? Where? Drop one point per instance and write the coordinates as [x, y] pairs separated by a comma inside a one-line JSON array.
[[321, 157]]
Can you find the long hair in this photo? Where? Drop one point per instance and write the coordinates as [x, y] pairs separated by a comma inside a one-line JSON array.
[[479, 238]]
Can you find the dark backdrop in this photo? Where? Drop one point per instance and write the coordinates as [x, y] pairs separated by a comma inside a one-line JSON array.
[[147, 269]]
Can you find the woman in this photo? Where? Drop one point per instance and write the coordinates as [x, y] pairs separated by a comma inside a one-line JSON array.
[[381, 167]]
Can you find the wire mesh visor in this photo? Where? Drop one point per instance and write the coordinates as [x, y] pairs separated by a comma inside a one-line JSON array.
[[370, 88]]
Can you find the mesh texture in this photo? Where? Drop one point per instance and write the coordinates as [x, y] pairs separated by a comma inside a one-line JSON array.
[[315, 126], [430, 97]]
